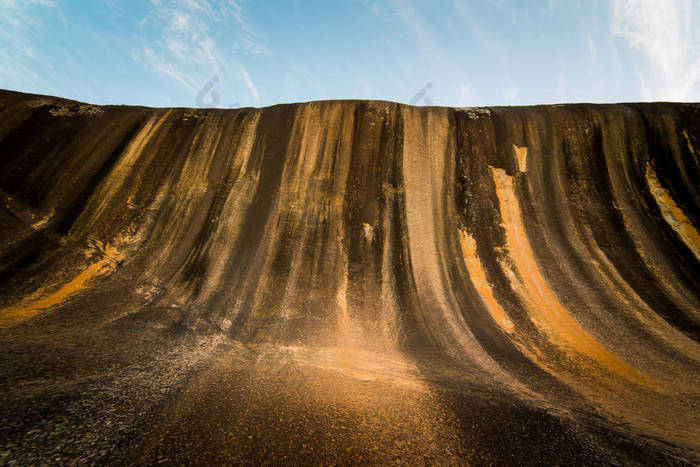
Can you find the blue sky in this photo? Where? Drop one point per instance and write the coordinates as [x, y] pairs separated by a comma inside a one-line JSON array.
[[257, 53]]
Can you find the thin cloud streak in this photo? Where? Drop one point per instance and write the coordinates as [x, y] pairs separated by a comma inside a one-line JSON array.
[[189, 41], [663, 32], [251, 86], [19, 58]]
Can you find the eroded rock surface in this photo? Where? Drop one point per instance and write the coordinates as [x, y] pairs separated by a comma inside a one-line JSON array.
[[349, 281]]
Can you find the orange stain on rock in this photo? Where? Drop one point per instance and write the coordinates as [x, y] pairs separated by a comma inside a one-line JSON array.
[[37, 303], [521, 155], [546, 310], [481, 284], [672, 214]]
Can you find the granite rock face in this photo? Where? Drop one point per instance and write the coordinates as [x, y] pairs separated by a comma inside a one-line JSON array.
[[349, 281]]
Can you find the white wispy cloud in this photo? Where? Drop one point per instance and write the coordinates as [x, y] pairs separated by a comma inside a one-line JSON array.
[[22, 3], [251, 86], [167, 69], [182, 33], [19, 57], [666, 33], [193, 41], [374, 7], [252, 47], [413, 21]]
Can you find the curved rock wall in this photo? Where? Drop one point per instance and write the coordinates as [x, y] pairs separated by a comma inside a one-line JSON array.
[[551, 252]]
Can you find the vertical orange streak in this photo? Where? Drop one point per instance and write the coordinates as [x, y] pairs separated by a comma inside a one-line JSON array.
[[547, 311], [672, 214], [481, 284]]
